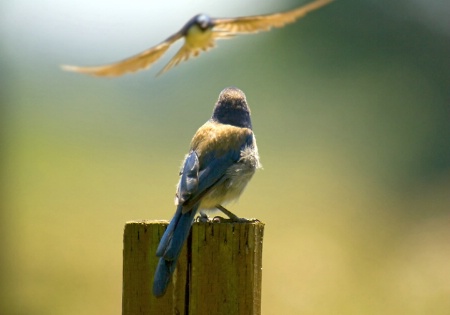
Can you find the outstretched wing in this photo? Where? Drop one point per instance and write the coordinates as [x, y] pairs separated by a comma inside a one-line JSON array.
[[184, 54], [138, 62], [196, 41], [259, 23]]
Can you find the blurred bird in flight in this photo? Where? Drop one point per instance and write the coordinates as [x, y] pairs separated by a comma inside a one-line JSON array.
[[200, 34], [221, 161]]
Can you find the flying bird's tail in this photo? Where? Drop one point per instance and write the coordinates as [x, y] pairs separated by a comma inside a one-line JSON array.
[[170, 247]]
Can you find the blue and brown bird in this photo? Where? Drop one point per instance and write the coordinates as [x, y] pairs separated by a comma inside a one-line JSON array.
[[222, 159], [200, 34]]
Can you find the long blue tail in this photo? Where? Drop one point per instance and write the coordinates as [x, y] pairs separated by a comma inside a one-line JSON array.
[[170, 246]]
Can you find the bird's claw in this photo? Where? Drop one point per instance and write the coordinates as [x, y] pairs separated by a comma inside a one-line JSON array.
[[244, 220], [203, 218]]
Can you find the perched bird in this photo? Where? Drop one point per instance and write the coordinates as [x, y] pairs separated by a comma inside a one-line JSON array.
[[199, 33], [222, 159]]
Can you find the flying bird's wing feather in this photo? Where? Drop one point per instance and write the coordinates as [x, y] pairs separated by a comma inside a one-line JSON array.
[[259, 23], [138, 62], [189, 50], [183, 54]]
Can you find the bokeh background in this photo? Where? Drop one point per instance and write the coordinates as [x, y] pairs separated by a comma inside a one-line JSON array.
[[351, 108]]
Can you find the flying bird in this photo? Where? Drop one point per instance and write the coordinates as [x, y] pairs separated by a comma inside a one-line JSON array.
[[200, 34]]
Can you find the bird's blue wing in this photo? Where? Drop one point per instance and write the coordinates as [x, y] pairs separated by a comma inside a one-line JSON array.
[[189, 178], [187, 185], [212, 169]]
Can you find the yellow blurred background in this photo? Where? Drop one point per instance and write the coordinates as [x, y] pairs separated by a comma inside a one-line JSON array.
[[351, 109]]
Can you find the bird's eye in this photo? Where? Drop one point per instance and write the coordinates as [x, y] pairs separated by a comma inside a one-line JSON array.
[[203, 21]]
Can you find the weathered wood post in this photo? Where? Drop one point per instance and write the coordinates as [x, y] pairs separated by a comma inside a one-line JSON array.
[[219, 270]]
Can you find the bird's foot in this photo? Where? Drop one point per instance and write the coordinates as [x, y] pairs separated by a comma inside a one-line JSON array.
[[232, 217], [220, 219], [203, 218]]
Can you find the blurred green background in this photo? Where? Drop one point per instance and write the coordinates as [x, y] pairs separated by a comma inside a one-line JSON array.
[[351, 109]]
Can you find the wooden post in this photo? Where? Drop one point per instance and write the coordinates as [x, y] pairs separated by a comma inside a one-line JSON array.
[[219, 270]]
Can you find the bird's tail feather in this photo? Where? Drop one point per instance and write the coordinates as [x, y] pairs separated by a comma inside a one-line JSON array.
[[163, 274], [168, 234], [170, 248]]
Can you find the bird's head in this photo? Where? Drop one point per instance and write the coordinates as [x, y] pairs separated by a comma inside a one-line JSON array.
[[232, 108], [203, 21]]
